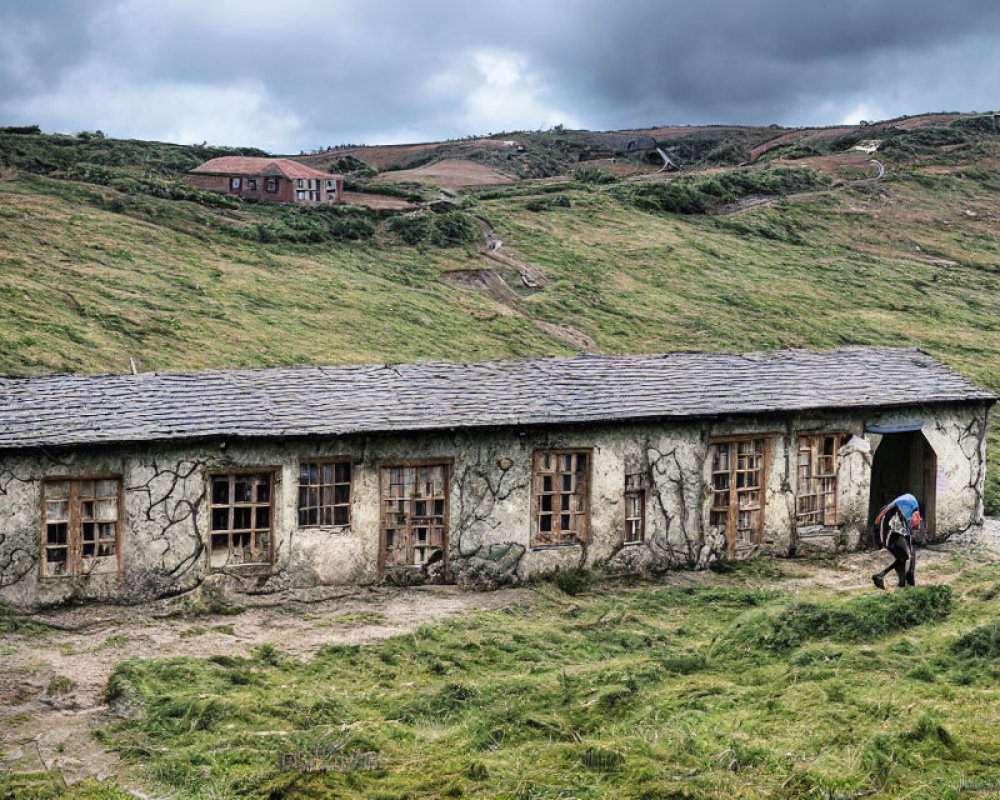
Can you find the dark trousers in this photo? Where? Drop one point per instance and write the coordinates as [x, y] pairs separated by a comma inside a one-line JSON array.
[[902, 550]]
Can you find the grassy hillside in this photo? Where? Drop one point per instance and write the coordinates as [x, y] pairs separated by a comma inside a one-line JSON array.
[[105, 255], [766, 682]]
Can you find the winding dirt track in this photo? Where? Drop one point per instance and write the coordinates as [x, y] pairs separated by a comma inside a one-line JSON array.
[[491, 281], [756, 201]]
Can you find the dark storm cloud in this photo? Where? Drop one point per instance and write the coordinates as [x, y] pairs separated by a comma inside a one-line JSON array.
[[307, 73]]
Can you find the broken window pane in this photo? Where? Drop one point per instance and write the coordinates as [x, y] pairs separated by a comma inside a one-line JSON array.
[[816, 488], [415, 504], [736, 483], [635, 508], [241, 529], [561, 484], [80, 524], [325, 493], [220, 491]]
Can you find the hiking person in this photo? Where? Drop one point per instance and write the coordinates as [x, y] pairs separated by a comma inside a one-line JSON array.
[[898, 539]]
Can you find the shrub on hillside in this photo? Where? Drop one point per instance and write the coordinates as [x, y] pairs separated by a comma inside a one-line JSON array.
[[407, 191], [548, 203], [594, 175], [313, 224], [452, 229], [697, 195], [986, 123]]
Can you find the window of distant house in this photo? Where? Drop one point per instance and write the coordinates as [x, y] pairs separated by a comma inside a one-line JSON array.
[[81, 524], [300, 195], [271, 185], [325, 493], [561, 489], [331, 186], [242, 518], [816, 490], [300, 183], [235, 183], [635, 507], [252, 184]]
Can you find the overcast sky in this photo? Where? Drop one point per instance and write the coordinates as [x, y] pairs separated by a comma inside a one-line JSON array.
[[291, 75]]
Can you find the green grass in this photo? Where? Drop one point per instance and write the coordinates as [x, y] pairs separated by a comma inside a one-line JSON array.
[[625, 690]]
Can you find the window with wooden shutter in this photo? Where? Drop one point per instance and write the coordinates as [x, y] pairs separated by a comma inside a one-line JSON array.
[[816, 487], [242, 518], [561, 481], [739, 475], [81, 524]]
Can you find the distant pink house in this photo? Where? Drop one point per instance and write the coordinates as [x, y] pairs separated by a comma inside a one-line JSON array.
[[270, 180]]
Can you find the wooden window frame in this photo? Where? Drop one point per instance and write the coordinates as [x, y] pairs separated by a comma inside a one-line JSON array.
[[569, 538], [320, 463], [808, 443], [636, 490], [446, 464], [251, 184], [74, 527], [274, 473], [271, 185], [732, 509]]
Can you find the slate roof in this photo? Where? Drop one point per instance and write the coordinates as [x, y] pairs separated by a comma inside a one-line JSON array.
[[248, 165], [61, 410]]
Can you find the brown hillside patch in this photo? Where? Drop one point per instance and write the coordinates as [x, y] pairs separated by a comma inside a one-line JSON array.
[[454, 173], [925, 119], [833, 165], [377, 201], [391, 156], [614, 167]]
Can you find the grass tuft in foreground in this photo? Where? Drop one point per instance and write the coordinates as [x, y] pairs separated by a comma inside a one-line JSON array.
[[730, 690]]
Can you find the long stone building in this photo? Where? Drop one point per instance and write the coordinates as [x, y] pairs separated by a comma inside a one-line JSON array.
[[123, 488]]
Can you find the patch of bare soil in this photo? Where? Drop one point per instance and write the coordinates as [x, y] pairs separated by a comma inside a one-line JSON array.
[[937, 563], [614, 166], [52, 684], [452, 173], [496, 280], [392, 156], [926, 119], [378, 201]]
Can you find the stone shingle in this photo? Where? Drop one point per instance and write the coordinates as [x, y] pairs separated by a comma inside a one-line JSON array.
[[61, 410]]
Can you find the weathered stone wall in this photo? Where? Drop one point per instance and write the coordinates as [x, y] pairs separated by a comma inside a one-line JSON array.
[[165, 535]]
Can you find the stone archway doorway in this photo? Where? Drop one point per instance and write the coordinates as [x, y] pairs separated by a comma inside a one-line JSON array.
[[905, 462]]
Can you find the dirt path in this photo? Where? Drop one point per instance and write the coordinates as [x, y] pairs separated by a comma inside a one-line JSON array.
[[491, 280], [756, 201], [52, 684]]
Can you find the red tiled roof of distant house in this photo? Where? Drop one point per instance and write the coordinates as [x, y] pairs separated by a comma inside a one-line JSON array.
[[246, 165]]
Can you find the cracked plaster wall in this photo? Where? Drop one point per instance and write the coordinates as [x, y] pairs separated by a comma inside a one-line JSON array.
[[165, 527]]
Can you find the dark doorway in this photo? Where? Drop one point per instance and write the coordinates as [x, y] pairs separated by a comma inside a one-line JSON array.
[[905, 462]]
